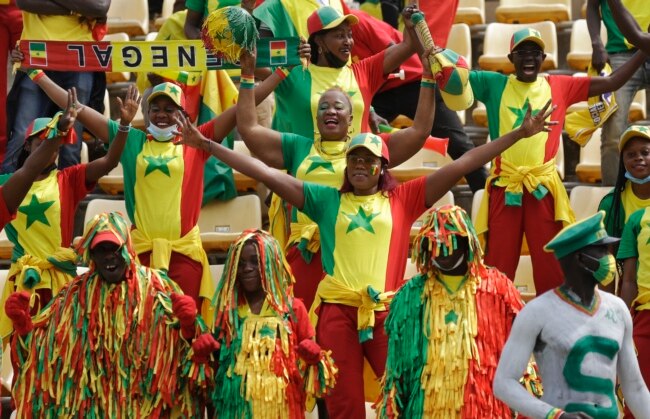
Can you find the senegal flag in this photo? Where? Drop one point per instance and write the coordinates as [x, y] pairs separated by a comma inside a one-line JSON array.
[[37, 54]]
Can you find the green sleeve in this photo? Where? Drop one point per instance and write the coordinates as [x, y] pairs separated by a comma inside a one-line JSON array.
[[4, 178], [295, 148], [488, 88], [628, 247], [320, 201]]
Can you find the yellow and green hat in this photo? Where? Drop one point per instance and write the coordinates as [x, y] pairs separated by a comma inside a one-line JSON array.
[[37, 126], [372, 142], [453, 79], [327, 17], [171, 90], [578, 235], [633, 131], [526, 34]]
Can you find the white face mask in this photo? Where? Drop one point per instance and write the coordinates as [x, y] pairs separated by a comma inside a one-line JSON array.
[[162, 134], [456, 265], [638, 181]]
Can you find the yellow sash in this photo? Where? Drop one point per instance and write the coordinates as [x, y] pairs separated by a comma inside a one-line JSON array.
[[188, 245], [308, 232], [514, 179], [51, 278], [330, 290]]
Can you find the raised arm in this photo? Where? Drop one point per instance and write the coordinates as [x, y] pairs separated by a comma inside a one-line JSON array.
[[287, 187], [634, 388], [598, 55], [439, 182], [512, 364], [406, 142], [629, 26], [88, 8], [396, 54], [15, 189], [100, 167], [618, 77], [42, 7], [193, 23]]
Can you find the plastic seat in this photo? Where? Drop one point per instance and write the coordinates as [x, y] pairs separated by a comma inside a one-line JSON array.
[[447, 199], [529, 11], [83, 154], [523, 280], [479, 114], [100, 205], [579, 56], [130, 16], [584, 200], [588, 167], [638, 107], [167, 10], [411, 270], [422, 163], [117, 76], [216, 271], [6, 247], [470, 12], [113, 182], [496, 46], [243, 183], [222, 222]]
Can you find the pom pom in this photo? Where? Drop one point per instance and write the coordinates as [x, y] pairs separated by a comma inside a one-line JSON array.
[[184, 308], [310, 351], [17, 309], [229, 30]]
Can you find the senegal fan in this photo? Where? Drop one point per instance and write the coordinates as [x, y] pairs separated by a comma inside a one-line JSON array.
[[364, 228], [42, 231]]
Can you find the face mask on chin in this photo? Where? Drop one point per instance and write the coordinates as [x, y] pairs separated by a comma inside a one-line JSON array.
[[606, 270], [638, 181], [162, 134]]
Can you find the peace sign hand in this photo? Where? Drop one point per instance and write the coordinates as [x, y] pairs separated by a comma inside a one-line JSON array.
[[70, 114], [537, 123]]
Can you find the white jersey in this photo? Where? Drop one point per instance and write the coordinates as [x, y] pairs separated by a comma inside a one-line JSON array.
[[579, 350]]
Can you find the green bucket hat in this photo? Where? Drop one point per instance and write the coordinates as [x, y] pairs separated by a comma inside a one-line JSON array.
[[578, 235]]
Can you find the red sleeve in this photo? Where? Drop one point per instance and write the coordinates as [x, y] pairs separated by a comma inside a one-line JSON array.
[[573, 89], [369, 74], [5, 215], [72, 189], [304, 329], [411, 196]]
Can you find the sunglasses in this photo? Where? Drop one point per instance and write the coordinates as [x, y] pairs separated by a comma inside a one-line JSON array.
[[526, 54]]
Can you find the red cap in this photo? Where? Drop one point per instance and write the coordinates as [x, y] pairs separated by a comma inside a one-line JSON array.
[[105, 236]]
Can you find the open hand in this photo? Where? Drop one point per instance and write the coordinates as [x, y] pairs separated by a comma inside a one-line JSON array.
[[407, 13], [537, 123], [70, 114], [190, 135], [129, 107], [17, 56], [304, 51]]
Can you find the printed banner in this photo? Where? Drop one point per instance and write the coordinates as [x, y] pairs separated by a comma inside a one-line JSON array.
[[144, 56]]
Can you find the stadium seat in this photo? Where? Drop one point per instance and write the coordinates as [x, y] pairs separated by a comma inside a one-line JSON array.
[[447, 199], [496, 46], [411, 270], [117, 76], [130, 16], [99, 205], [584, 200], [243, 183], [479, 114], [421, 163], [222, 222], [638, 107], [579, 56], [216, 271], [529, 11], [476, 204], [588, 167], [470, 12], [113, 182], [523, 280], [83, 155], [167, 10]]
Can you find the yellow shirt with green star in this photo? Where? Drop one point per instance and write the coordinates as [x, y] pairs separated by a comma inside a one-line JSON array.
[[634, 244]]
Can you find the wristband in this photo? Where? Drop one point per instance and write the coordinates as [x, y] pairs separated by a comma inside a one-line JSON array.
[[247, 82], [554, 413], [428, 82], [35, 74], [282, 72], [124, 128]]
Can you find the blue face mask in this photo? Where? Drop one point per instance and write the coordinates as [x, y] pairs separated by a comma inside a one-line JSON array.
[[638, 181]]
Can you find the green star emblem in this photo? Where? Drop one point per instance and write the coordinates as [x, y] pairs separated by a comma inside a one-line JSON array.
[[375, 141], [35, 211], [642, 128], [318, 161], [521, 113], [157, 163], [451, 317], [361, 220], [173, 90]]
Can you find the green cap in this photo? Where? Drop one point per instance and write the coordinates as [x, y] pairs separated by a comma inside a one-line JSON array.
[[632, 132], [526, 34], [580, 234], [372, 142]]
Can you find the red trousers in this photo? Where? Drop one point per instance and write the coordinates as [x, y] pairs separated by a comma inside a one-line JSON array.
[[337, 331], [11, 26], [185, 271], [506, 228], [641, 336], [307, 275]]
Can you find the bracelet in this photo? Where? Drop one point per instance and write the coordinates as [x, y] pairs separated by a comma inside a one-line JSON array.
[[35, 74], [554, 413], [209, 142], [124, 128], [282, 72], [428, 82]]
